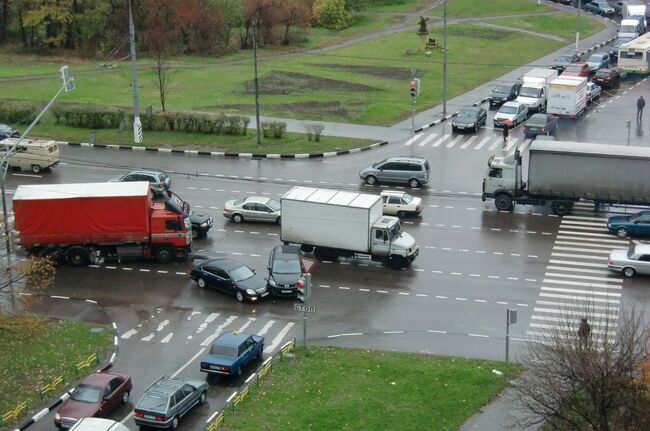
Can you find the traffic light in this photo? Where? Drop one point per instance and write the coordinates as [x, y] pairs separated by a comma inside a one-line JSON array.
[[415, 87], [303, 285]]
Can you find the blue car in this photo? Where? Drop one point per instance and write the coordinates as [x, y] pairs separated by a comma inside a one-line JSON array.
[[231, 352], [637, 224]]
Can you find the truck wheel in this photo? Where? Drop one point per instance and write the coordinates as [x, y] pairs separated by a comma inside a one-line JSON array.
[[237, 218], [503, 203], [164, 254], [371, 180], [629, 272], [36, 169], [621, 232], [77, 256], [414, 183], [396, 262], [562, 207]]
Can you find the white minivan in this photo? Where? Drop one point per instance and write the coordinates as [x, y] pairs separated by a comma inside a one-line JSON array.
[[32, 154]]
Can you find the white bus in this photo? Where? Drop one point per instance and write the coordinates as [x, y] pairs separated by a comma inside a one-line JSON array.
[[634, 56], [32, 154]]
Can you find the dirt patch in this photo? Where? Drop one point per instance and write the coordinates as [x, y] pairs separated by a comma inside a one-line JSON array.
[[314, 108], [283, 83], [381, 72], [479, 33]]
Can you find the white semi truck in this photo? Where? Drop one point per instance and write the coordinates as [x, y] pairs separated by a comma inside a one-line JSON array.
[[534, 88], [562, 173], [335, 223]]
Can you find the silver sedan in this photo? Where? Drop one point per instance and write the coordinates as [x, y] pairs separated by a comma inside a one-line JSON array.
[[252, 208], [636, 260]]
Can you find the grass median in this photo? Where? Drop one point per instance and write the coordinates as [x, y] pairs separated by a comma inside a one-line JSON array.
[[559, 24], [34, 351], [348, 389], [472, 8]]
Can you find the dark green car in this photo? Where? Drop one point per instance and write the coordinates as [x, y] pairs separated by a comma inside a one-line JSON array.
[[635, 225]]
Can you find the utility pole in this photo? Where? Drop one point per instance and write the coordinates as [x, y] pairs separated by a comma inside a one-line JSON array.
[[629, 129], [67, 86], [578, 25], [511, 317], [137, 125], [257, 88], [444, 62]]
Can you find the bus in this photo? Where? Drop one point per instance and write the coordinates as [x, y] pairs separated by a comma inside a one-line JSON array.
[[634, 56], [31, 154]]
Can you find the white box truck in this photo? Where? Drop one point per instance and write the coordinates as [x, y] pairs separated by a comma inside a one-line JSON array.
[[567, 96], [335, 223], [534, 88], [562, 173]]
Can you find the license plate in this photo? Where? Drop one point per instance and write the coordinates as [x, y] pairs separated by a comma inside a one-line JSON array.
[[149, 417], [214, 367], [460, 127], [286, 291]]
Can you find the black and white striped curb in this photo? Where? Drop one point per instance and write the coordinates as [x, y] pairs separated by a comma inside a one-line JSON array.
[[67, 394], [450, 116], [513, 337], [600, 45], [226, 153]]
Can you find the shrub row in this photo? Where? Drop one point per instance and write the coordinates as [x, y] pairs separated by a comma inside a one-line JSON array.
[[273, 129], [88, 116], [221, 124], [18, 111]]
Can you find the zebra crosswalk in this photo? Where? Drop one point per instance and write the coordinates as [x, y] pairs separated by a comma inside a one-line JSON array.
[[577, 282], [203, 327], [460, 142]]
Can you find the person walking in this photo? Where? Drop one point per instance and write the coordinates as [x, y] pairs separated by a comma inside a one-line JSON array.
[[506, 132], [583, 332], [640, 104]]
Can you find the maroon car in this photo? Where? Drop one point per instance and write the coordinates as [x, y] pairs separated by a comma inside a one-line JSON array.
[[96, 395]]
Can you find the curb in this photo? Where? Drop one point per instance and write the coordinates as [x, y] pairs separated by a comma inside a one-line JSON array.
[[67, 394], [226, 154], [478, 102]]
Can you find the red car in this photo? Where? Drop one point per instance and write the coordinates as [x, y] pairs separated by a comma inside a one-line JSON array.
[[96, 395], [579, 68]]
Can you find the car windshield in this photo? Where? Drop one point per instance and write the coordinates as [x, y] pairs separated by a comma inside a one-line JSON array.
[[153, 402], [87, 394], [407, 198], [221, 350], [274, 205], [596, 58], [501, 89], [627, 29], [238, 202], [395, 231], [469, 113], [241, 273], [537, 121], [574, 69], [508, 110], [286, 267], [529, 92]]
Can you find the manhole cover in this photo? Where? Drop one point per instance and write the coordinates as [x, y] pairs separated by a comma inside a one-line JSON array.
[[97, 329]]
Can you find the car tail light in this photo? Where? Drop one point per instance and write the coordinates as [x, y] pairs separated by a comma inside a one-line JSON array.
[[542, 130], [225, 369], [161, 418], [138, 414], [204, 365], [608, 78]]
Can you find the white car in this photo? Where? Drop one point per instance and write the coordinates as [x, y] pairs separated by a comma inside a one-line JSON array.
[[400, 204], [253, 208], [593, 91], [513, 111]]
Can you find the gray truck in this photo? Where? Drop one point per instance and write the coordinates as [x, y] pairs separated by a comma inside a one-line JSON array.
[[562, 173]]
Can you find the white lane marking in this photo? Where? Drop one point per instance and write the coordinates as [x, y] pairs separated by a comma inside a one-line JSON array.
[[218, 331], [278, 338], [581, 292], [575, 298], [577, 263], [266, 327], [128, 334], [162, 325], [454, 141], [495, 144], [247, 324], [583, 277], [413, 139], [427, 139], [482, 143], [469, 141], [579, 256], [148, 337], [199, 353], [583, 284], [586, 271], [441, 140], [167, 338]]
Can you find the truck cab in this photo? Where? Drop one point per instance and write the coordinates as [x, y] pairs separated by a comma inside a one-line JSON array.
[[169, 231], [500, 181], [389, 241]]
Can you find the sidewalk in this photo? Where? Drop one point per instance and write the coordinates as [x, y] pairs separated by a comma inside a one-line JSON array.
[[497, 416]]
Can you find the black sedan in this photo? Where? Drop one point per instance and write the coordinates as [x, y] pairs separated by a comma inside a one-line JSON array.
[[564, 60], [285, 268], [469, 118], [606, 77], [540, 124], [231, 277], [8, 132], [503, 93], [201, 224]]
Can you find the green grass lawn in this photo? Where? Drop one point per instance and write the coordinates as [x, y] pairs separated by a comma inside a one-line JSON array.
[[398, 6], [289, 144], [470, 8], [29, 362], [560, 24], [363, 83], [326, 388]]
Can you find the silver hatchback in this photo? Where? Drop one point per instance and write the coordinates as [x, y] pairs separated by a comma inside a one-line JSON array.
[[635, 260], [252, 208], [413, 171]]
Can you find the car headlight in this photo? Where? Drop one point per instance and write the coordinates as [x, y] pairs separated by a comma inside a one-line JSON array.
[[250, 291], [272, 282], [57, 417], [204, 224]]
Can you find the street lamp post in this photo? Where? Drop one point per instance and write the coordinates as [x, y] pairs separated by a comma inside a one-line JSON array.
[[137, 124], [67, 86], [444, 61], [578, 25]]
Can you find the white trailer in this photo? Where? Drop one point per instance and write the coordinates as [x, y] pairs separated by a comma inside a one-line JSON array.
[[334, 223], [534, 88], [567, 96]]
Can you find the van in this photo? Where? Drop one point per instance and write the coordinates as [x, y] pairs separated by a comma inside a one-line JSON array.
[[630, 28], [32, 154], [97, 424], [412, 170]]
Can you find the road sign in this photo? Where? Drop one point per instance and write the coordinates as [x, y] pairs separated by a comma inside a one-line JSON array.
[[308, 263], [304, 308]]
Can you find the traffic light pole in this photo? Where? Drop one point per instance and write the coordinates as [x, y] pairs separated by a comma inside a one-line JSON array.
[[304, 313]]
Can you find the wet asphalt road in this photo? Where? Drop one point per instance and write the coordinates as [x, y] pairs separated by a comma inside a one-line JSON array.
[[474, 262]]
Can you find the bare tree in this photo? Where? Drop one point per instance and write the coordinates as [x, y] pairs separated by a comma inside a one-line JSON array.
[[164, 75], [586, 376], [25, 278]]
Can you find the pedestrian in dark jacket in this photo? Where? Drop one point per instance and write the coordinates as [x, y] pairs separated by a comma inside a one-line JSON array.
[[640, 104], [583, 332], [506, 131]]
